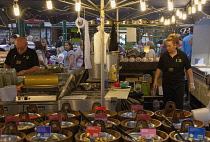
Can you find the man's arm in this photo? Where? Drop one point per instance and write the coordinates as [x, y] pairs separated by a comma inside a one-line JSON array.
[[191, 81], [6, 66], [32, 69], [157, 74]]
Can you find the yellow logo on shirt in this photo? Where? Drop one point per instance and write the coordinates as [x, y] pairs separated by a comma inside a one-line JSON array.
[[18, 62], [179, 60]]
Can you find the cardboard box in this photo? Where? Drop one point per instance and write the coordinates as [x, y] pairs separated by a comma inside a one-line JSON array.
[[131, 79]]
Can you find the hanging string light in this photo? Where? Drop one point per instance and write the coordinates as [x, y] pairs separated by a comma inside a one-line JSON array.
[[49, 4], [199, 6], [173, 19], [16, 8], [77, 5], [184, 15], [177, 12], [203, 1], [143, 5], [193, 9], [180, 14], [190, 10], [196, 2], [113, 3], [162, 19], [170, 5]]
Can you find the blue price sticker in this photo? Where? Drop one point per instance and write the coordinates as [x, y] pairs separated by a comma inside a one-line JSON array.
[[196, 133], [43, 131]]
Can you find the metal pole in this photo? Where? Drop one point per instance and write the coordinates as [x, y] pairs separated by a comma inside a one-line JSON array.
[[103, 54], [64, 32], [117, 19]]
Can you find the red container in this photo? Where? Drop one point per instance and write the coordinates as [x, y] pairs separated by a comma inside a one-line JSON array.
[[116, 84]]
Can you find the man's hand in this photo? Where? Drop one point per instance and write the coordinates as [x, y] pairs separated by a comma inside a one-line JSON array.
[[21, 73]]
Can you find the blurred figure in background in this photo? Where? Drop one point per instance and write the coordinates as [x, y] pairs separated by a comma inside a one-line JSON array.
[[186, 47], [79, 56], [180, 43], [163, 49], [12, 41], [60, 55], [59, 42], [151, 53], [40, 50], [4, 41], [69, 58]]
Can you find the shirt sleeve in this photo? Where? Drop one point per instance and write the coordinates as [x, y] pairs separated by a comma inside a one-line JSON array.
[[161, 63], [187, 64], [35, 59], [8, 58]]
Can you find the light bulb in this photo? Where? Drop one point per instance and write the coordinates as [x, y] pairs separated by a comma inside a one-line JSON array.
[[170, 5], [78, 5], [16, 9], [165, 22], [162, 19], [113, 3], [173, 19], [180, 15], [199, 6], [184, 16], [143, 5], [193, 9], [49, 4], [189, 10], [177, 12], [169, 22], [196, 2], [203, 1]]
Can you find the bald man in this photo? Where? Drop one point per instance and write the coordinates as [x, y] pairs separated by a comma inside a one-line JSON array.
[[22, 58]]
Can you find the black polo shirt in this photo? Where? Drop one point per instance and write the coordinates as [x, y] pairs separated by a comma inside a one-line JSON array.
[[173, 68], [22, 62]]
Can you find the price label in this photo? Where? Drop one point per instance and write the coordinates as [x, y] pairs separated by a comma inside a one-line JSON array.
[[56, 117], [12, 118], [148, 133], [196, 133], [103, 108], [92, 131], [43, 131], [146, 117], [135, 108], [102, 116]]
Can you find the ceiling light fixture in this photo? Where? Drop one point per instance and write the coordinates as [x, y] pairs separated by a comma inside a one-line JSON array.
[[196, 2], [184, 15], [170, 5], [203, 1], [199, 6], [143, 5], [193, 9], [177, 12], [189, 10], [49, 4], [173, 19], [77, 5], [16, 8], [113, 3], [162, 19]]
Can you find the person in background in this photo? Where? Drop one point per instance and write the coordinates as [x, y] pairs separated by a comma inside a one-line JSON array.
[[186, 47], [173, 63], [30, 38], [59, 42], [79, 56], [60, 55], [12, 41], [69, 58], [22, 58], [151, 53], [4, 41], [40, 50], [163, 47], [180, 43]]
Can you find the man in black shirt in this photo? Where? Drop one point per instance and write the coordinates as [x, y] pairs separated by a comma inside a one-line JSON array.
[[22, 58], [173, 63]]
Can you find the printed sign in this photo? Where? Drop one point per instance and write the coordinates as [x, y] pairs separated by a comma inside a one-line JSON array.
[[100, 108], [12, 118], [56, 117], [148, 133], [146, 117], [93, 131], [102, 116], [196, 133], [43, 131], [135, 108]]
